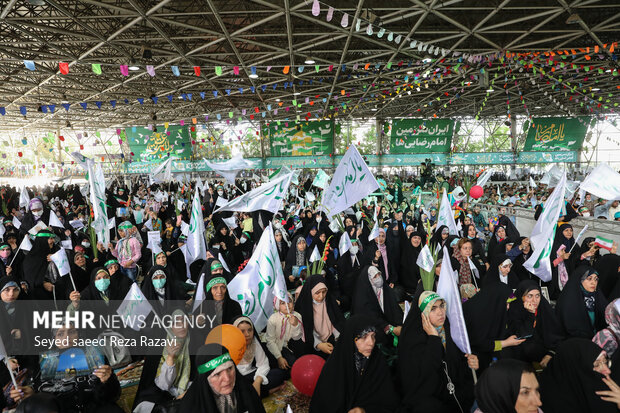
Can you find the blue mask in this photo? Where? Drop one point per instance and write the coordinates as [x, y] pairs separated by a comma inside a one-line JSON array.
[[470, 237], [102, 284], [159, 283]]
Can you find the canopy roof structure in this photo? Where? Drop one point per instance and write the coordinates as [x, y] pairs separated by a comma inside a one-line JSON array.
[[272, 60]]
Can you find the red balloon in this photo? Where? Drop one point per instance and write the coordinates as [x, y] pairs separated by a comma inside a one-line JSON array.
[[476, 191], [305, 373]]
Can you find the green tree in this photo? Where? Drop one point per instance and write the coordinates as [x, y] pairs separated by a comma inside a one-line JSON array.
[[497, 139], [365, 139], [208, 150]]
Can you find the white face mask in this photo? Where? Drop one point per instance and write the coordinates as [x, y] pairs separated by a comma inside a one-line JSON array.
[[220, 193], [586, 214], [377, 282], [86, 244], [37, 214], [354, 249], [243, 240]]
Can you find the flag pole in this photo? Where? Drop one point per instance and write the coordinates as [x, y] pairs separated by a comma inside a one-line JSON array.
[[11, 373], [15, 256], [473, 373], [72, 282]]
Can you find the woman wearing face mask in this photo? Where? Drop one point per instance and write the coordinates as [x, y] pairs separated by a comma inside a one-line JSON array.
[[508, 386], [281, 245], [254, 367], [379, 254], [321, 316], [426, 345], [6, 258], [219, 387], [36, 213], [531, 317], [80, 271], [166, 378], [284, 334], [581, 305], [158, 287], [573, 379], [356, 378], [349, 266], [373, 300]]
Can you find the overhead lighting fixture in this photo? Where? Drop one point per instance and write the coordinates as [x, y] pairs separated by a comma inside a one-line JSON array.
[[489, 90], [595, 89], [537, 107], [253, 76], [426, 60], [373, 109], [37, 2], [309, 61], [277, 99], [410, 72], [296, 93], [133, 68]]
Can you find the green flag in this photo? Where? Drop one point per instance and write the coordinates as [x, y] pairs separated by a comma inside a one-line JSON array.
[[96, 68]]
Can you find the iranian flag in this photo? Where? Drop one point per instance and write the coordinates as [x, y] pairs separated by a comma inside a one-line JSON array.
[[604, 243]]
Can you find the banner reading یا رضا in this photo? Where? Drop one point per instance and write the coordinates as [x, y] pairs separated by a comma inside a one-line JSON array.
[[149, 145], [435, 136], [557, 134], [301, 138]]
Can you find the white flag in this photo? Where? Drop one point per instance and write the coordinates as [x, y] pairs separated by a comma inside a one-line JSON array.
[[184, 228], [316, 255], [230, 168], [448, 290], [486, 175], [407, 309], [200, 292], [552, 176], [25, 245], [196, 248], [221, 259], [83, 161], [603, 182], [543, 233], [580, 235], [98, 202], [161, 174], [62, 262], [446, 216], [112, 223], [268, 197], [54, 221], [352, 181], [16, 222], [76, 224], [261, 280], [221, 201], [425, 259], [321, 179], [231, 222], [24, 198], [200, 186], [135, 307], [67, 244], [374, 233], [532, 183], [149, 224], [154, 239], [345, 243]]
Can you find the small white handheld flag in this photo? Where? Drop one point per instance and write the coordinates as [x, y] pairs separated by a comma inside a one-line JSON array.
[[316, 255], [345, 243], [135, 307], [425, 259], [54, 221], [62, 262], [200, 292]]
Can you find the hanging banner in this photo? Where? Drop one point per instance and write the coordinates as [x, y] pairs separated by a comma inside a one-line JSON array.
[[301, 139], [556, 134], [420, 136], [149, 145]]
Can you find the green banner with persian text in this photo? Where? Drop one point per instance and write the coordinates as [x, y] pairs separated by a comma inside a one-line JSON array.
[[149, 145], [420, 136], [557, 134], [301, 138]]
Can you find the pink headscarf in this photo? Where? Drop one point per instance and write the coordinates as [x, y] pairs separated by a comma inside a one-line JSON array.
[[322, 324], [285, 319]]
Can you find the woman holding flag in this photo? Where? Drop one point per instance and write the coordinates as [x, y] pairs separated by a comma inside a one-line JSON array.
[[436, 373]]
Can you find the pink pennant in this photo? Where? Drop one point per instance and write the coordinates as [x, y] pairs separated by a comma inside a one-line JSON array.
[[124, 70], [316, 8], [268, 68], [182, 122], [330, 13], [236, 70], [150, 70], [345, 20]]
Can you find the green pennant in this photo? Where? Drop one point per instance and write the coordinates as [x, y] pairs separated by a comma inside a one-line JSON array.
[[96, 68]]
